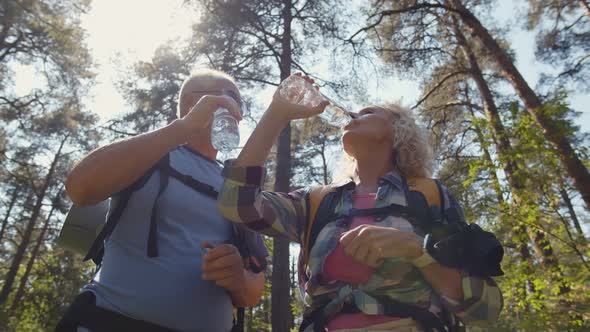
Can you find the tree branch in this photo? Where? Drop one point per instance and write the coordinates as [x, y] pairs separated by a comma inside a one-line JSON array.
[[437, 86], [392, 12], [258, 80]]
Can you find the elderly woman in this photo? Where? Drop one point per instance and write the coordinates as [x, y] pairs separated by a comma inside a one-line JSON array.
[[362, 272]]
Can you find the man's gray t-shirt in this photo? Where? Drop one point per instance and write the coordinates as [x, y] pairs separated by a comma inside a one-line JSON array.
[[168, 289]]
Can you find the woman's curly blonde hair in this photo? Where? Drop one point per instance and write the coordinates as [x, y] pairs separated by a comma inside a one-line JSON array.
[[412, 152]]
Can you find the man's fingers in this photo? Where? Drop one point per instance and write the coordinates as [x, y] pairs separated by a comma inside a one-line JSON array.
[[212, 103], [220, 251], [219, 274], [228, 283], [223, 262], [231, 105], [207, 244]]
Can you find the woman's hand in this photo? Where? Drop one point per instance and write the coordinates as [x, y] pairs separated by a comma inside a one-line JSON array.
[[289, 111], [369, 244], [279, 113]]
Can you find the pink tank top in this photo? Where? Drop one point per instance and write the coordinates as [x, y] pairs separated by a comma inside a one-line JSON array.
[[339, 266]]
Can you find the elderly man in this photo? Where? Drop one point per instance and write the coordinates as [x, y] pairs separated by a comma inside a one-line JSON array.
[[170, 282]]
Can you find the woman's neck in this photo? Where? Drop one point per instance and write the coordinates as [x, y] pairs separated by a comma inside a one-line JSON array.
[[372, 164]]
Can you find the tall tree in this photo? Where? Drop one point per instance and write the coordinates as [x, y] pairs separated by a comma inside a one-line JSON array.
[[151, 88], [22, 247], [503, 146], [261, 42], [432, 46], [552, 128], [563, 38], [533, 104], [45, 33], [44, 142], [35, 252]]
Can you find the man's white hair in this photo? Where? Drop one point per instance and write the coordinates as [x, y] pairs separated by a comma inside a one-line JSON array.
[[200, 75]]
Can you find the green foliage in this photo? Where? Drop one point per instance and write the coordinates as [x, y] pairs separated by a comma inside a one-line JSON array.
[[563, 32], [43, 131], [151, 88], [534, 292], [58, 278]]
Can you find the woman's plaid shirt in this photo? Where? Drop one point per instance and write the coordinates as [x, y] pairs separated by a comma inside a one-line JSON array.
[[276, 214]]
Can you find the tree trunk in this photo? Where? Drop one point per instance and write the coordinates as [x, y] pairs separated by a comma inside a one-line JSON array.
[[20, 252], [13, 199], [585, 7], [501, 141], [280, 299], [488, 158], [293, 282], [324, 163], [561, 145], [572, 213], [542, 247], [23, 281]]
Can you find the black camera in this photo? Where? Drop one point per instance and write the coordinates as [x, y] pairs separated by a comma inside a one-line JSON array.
[[470, 248]]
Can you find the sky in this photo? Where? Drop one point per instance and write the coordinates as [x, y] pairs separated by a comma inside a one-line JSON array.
[[120, 33]]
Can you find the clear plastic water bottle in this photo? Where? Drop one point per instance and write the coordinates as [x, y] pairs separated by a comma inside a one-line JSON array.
[[225, 133], [297, 90]]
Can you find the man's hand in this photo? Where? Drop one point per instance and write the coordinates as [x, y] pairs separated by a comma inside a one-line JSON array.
[[370, 244], [224, 266], [201, 115]]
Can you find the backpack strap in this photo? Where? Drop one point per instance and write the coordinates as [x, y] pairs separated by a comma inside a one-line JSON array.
[[429, 188], [238, 324], [240, 243], [321, 205], [167, 171], [425, 202], [96, 250], [189, 181], [152, 244]]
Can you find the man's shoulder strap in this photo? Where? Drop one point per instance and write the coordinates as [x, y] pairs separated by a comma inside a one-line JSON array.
[[96, 249], [189, 181]]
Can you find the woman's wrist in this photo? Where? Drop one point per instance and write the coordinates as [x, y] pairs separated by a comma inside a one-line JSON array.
[[256, 150], [276, 115], [415, 245], [403, 244]]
